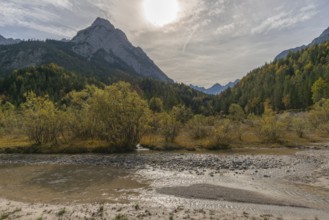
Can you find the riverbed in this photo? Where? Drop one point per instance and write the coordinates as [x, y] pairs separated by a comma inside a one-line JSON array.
[[254, 184]]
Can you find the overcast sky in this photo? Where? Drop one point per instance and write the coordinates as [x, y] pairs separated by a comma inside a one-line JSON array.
[[211, 41]]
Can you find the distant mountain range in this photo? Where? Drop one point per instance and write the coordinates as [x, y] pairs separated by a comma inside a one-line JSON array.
[[215, 89], [321, 39], [100, 49], [5, 41]]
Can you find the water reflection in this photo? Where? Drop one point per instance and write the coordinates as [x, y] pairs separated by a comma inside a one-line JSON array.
[[68, 183]]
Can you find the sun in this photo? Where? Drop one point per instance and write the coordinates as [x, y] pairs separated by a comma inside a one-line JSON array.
[[161, 12]]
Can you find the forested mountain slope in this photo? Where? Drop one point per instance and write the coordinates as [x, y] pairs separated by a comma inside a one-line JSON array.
[[295, 82], [57, 82], [319, 40]]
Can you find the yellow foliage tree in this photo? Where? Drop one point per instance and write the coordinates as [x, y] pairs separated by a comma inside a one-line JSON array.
[[119, 115], [41, 119]]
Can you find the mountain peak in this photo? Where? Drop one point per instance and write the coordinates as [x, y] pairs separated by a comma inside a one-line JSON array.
[[103, 22], [104, 42], [216, 88], [216, 85]]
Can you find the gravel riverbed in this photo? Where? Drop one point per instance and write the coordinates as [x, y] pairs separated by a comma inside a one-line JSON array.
[[154, 185]]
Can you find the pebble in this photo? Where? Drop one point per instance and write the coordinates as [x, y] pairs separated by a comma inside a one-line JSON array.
[[198, 163]]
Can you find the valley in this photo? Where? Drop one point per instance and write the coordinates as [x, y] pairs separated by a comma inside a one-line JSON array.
[[123, 124]]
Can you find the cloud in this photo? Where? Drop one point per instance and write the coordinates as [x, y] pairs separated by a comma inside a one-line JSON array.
[[37, 15], [307, 8], [58, 3], [228, 28], [211, 41], [285, 19]]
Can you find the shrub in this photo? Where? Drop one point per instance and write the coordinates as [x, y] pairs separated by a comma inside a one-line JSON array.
[[170, 127], [115, 114], [156, 104], [182, 113], [221, 135], [236, 112], [8, 118], [198, 127], [299, 125], [118, 115], [270, 127], [319, 115], [42, 119]]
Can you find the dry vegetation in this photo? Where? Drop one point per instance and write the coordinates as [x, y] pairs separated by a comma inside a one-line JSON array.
[[116, 119], [287, 129]]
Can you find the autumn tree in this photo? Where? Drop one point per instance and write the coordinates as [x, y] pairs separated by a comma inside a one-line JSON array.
[[270, 126], [236, 112], [119, 115], [319, 115], [221, 137], [198, 127], [8, 118], [181, 113], [300, 125], [42, 119], [170, 126], [320, 89], [237, 117], [79, 121]]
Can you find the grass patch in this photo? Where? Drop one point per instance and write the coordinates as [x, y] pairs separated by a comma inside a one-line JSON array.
[[61, 212], [22, 145], [14, 141], [4, 216], [120, 217], [8, 214]]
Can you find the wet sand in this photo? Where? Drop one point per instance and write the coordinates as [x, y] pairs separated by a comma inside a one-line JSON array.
[[220, 193]]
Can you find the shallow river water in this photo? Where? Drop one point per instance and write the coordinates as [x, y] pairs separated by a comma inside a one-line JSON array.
[[67, 183]]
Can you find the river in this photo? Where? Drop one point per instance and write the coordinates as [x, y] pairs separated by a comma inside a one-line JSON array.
[[270, 184]]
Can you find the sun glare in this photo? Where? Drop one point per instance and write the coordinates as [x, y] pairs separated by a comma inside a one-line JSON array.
[[161, 12]]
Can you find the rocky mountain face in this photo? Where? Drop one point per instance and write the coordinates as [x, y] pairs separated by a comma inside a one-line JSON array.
[[103, 37], [9, 41], [100, 49], [321, 39], [215, 89]]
